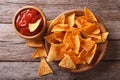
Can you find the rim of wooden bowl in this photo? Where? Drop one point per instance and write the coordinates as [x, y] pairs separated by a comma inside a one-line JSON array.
[[43, 27], [101, 47]]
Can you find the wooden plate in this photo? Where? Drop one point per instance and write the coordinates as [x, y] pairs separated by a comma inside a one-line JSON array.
[[101, 47]]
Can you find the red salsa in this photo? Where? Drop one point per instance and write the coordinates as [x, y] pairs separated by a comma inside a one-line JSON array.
[[24, 18]]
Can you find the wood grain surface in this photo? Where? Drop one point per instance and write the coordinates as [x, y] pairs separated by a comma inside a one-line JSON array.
[[15, 56]]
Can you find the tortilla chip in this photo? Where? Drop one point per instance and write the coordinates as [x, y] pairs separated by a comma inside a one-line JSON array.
[[33, 26], [82, 22], [60, 27], [60, 20], [67, 62], [34, 43], [55, 37], [70, 20], [76, 43], [87, 44], [104, 36], [44, 68], [68, 39], [89, 15], [90, 58], [92, 29], [82, 57], [95, 36], [53, 54], [39, 52]]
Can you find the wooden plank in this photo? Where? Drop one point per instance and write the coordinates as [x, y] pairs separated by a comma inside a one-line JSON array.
[[28, 71], [106, 10]]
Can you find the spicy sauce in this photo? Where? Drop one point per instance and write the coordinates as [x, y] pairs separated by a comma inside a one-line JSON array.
[[24, 18]]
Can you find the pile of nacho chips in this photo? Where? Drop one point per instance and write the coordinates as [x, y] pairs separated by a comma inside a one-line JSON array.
[[74, 39]]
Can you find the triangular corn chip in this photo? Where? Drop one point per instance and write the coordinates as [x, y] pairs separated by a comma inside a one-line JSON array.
[[89, 58], [87, 44], [67, 62], [82, 57], [44, 68], [70, 20], [55, 37], [60, 20], [53, 54], [39, 52], [60, 27], [81, 22], [92, 29], [95, 36], [89, 15], [33, 26], [76, 43], [34, 43], [104, 36], [68, 39]]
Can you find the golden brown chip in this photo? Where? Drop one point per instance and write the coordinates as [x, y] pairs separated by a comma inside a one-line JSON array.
[[104, 35], [81, 22], [89, 15], [95, 36], [53, 54], [55, 37], [60, 27], [76, 43], [39, 52], [70, 20], [68, 39], [92, 29], [82, 57], [44, 68], [87, 44], [60, 20], [67, 62], [90, 57], [34, 43]]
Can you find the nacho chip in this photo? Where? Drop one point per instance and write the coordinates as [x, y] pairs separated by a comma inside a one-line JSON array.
[[82, 22], [82, 57], [92, 29], [39, 52], [55, 37], [67, 62], [33, 26], [90, 58], [87, 44], [53, 54], [104, 36], [89, 15], [34, 43], [76, 43], [44, 68], [70, 20], [60, 20], [60, 27]]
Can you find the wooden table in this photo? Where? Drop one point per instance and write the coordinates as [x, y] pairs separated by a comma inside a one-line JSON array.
[[15, 56]]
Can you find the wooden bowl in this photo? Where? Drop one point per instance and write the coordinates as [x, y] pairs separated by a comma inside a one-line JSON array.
[[101, 47], [36, 35]]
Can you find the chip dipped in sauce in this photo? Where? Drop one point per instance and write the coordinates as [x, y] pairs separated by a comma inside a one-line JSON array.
[[26, 17]]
